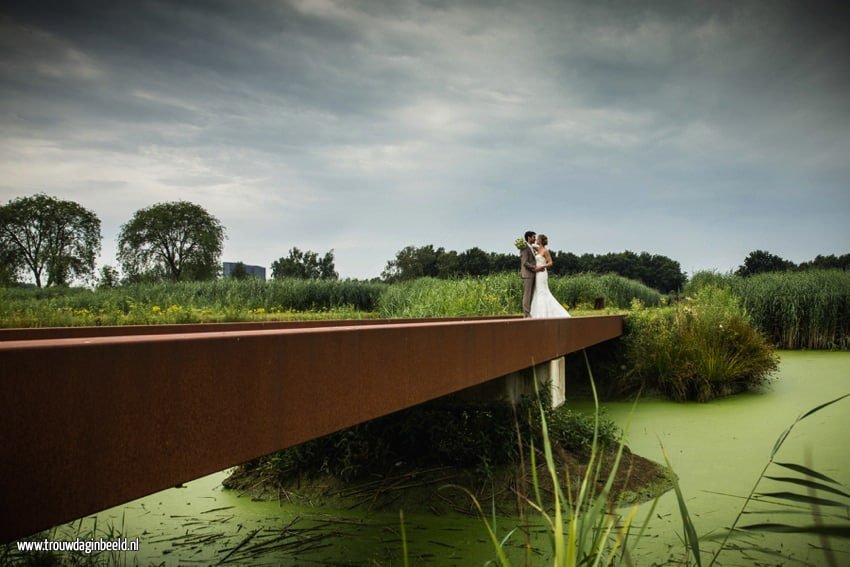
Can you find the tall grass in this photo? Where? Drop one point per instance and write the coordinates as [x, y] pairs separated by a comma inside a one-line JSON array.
[[697, 349], [501, 294], [808, 309], [584, 528], [184, 302]]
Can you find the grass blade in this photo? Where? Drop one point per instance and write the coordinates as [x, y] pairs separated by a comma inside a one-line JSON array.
[[403, 538], [806, 471], [804, 498], [691, 539], [827, 530], [808, 484], [820, 407]]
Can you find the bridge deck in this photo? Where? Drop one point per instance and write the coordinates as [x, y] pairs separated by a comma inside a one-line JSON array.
[[92, 418]]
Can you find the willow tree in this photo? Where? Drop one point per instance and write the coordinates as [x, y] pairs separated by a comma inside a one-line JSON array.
[[174, 241], [49, 237]]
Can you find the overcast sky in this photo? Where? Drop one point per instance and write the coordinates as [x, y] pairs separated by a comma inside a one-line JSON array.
[[697, 130]]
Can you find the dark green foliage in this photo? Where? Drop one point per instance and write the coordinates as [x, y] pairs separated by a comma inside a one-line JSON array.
[[657, 272], [426, 261], [48, 237], [109, 278], [178, 241], [761, 261], [305, 265], [10, 264], [240, 272], [697, 349], [831, 262], [439, 433]]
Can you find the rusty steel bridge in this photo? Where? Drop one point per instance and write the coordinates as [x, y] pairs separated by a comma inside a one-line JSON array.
[[94, 417]]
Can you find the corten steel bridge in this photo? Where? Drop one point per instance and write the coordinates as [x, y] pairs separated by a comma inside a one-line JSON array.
[[94, 417]]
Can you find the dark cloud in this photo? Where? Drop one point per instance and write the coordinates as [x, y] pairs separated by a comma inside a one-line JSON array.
[[405, 116]]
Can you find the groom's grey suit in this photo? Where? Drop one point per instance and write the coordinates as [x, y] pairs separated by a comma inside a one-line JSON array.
[[527, 271]]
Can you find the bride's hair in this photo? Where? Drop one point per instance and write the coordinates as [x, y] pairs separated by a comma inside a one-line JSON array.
[[543, 239]]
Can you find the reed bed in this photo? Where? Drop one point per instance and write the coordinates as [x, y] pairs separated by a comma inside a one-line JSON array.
[[189, 302], [501, 294], [797, 310]]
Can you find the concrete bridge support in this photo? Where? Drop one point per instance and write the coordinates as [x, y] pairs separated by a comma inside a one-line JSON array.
[[512, 387]]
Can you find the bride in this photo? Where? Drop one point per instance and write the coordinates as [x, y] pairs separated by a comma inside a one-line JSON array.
[[543, 303]]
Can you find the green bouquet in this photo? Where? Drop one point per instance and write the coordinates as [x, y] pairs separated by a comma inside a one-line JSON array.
[[520, 244]]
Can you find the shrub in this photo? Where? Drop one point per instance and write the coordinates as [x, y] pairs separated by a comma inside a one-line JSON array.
[[439, 433], [697, 349]]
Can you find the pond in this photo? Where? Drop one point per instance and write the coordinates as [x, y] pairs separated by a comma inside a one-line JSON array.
[[717, 449]]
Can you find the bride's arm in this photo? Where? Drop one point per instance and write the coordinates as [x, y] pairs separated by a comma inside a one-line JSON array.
[[548, 258]]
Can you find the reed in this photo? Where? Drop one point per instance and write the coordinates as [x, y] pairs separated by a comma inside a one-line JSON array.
[[584, 527], [807, 309], [188, 302], [501, 294], [696, 349]]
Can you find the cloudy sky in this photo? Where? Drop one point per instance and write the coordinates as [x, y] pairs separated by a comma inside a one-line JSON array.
[[697, 130]]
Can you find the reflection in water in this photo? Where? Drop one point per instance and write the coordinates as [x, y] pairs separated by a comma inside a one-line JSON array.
[[718, 450]]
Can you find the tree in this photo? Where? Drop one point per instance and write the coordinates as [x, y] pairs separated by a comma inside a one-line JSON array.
[[10, 264], [175, 241], [448, 264], [662, 273], [474, 262], [108, 278], [760, 261], [49, 237], [831, 262], [411, 263], [565, 263], [305, 265], [501, 262], [239, 272]]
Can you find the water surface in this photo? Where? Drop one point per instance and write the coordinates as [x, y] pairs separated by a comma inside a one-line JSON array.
[[717, 449]]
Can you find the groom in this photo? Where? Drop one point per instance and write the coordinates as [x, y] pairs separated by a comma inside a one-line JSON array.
[[528, 267]]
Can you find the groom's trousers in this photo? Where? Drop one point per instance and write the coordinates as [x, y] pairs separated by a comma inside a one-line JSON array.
[[527, 292]]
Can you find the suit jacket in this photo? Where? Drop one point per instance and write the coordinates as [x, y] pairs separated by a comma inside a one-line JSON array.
[[527, 262]]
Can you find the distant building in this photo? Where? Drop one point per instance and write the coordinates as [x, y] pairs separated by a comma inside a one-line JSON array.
[[257, 271]]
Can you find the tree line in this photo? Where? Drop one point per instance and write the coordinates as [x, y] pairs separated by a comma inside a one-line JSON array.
[[762, 261], [655, 271], [57, 241]]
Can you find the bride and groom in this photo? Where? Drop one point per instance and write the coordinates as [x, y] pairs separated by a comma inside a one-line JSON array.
[[537, 300]]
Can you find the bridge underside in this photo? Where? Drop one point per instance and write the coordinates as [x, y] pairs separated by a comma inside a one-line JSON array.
[[92, 418]]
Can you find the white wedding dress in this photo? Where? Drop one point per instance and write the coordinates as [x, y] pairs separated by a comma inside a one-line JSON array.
[[543, 303]]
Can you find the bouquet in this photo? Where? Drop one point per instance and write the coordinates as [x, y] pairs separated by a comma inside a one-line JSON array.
[[520, 244]]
